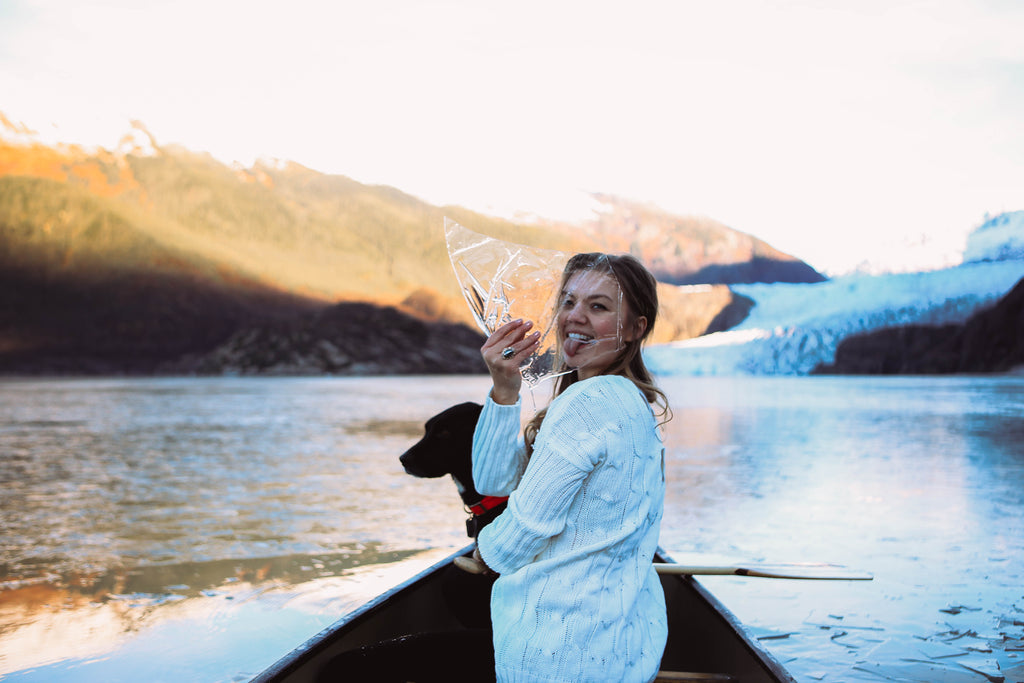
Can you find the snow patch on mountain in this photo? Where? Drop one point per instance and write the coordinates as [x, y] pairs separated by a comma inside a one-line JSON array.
[[998, 239]]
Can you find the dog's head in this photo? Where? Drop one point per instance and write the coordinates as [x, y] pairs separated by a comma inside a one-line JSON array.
[[446, 447]]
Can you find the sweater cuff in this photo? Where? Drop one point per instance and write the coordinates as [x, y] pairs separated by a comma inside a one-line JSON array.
[[498, 419], [496, 457]]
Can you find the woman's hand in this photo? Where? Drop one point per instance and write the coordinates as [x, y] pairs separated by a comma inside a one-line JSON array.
[[503, 352], [474, 564]]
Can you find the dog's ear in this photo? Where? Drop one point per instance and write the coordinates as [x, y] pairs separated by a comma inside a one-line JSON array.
[[456, 422], [471, 411], [469, 408]]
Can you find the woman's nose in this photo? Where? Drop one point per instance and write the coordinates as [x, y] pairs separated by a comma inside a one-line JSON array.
[[577, 313]]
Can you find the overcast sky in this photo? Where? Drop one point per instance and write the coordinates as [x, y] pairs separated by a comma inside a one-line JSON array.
[[837, 131]]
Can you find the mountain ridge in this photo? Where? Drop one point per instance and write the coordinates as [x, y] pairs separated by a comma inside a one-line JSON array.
[[159, 238]]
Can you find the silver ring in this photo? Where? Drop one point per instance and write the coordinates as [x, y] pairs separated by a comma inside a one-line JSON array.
[[508, 352]]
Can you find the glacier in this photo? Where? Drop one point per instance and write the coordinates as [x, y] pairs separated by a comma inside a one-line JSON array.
[[795, 327]]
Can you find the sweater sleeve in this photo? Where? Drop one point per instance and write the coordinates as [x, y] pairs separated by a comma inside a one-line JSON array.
[[499, 456], [570, 444]]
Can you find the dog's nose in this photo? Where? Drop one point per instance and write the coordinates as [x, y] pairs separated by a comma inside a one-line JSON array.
[[407, 464]]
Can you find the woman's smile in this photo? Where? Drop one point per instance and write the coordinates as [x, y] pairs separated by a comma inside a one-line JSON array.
[[574, 342]]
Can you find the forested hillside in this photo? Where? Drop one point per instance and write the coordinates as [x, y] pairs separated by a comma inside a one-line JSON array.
[[125, 260]]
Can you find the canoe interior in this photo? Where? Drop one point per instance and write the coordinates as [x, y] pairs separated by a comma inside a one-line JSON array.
[[703, 635]]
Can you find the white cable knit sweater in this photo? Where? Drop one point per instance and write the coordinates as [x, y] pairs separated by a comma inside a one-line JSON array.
[[578, 598]]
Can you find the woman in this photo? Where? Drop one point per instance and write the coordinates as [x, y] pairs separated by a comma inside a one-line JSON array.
[[577, 598]]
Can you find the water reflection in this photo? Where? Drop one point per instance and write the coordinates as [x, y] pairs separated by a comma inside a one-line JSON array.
[[247, 613], [919, 481], [165, 471], [205, 527]]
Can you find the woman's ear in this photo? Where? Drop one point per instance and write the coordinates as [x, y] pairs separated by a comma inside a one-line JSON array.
[[639, 327]]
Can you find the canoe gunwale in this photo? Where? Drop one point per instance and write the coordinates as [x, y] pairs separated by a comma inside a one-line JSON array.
[[295, 658], [320, 644], [756, 650]]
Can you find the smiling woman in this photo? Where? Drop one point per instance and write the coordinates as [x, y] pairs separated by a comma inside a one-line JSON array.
[[577, 597]]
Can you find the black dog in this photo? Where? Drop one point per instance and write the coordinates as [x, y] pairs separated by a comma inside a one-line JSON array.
[[467, 654], [447, 448]]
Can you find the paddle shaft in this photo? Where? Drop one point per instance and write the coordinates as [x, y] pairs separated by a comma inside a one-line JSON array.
[[763, 572], [476, 567]]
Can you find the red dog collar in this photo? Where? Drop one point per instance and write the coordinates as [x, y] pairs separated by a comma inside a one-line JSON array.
[[488, 503]]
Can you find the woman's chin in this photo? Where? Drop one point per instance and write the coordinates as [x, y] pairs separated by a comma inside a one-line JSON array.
[[576, 355]]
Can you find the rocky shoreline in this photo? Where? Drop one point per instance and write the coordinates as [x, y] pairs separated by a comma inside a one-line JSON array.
[[345, 339]]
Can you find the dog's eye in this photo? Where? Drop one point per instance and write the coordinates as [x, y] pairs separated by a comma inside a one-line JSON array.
[[444, 434]]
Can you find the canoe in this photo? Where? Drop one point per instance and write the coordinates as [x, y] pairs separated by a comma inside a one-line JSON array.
[[705, 641]]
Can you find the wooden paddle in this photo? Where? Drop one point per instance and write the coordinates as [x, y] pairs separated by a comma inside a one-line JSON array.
[[818, 572]]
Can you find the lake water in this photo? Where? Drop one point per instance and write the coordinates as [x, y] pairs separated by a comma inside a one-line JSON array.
[[198, 529]]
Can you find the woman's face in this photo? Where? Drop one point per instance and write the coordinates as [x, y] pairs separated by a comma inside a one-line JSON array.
[[594, 322]]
